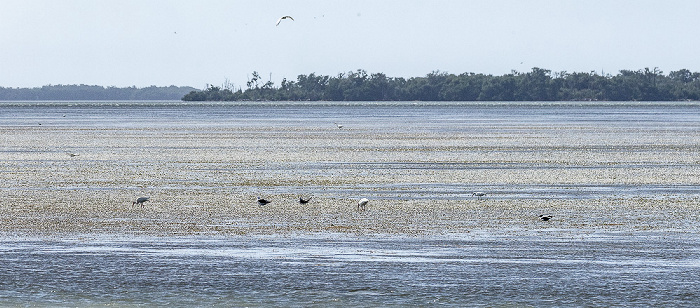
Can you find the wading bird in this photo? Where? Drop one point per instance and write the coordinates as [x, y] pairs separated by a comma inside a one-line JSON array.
[[262, 201], [362, 205], [545, 217], [339, 126], [140, 201], [283, 17], [478, 195], [302, 201]]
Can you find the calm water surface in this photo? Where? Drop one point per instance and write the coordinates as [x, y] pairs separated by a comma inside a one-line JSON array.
[[544, 269], [415, 116], [480, 270]]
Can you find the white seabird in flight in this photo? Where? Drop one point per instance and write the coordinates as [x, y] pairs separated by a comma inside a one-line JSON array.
[[283, 17]]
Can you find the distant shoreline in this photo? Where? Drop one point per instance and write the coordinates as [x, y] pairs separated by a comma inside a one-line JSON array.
[[536, 85], [93, 93], [116, 103]]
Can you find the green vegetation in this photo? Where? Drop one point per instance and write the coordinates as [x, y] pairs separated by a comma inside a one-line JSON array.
[[536, 85], [86, 92]]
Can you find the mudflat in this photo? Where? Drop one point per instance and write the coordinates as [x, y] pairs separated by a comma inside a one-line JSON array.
[[419, 175]]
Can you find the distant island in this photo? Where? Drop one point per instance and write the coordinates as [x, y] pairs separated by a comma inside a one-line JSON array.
[[91, 92], [536, 85]]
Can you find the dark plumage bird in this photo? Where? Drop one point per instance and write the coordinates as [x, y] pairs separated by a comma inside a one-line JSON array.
[[262, 201], [478, 194], [140, 201], [283, 17], [302, 201], [545, 217]]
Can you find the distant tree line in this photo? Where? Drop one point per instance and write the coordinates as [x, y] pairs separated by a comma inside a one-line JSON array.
[[536, 85], [88, 92]]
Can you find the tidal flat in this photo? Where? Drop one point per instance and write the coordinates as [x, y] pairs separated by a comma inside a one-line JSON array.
[[621, 180], [591, 170]]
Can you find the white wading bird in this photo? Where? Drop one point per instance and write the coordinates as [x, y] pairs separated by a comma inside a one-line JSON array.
[[283, 17], [362, 205]]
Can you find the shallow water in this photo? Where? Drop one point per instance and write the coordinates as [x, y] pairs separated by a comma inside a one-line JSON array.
[[598, 153], [475, 270]]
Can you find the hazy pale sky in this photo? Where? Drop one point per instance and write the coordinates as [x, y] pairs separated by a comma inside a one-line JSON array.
[[177, 42]]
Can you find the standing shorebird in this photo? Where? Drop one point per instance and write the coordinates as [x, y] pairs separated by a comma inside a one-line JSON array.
[[545, 217], [283, 17], [140, 201], [302, 201], [262, 201], [478, 194], [362, 205], [339, 125]]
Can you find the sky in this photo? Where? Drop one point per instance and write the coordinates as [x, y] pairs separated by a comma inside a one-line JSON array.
[[195, 43]]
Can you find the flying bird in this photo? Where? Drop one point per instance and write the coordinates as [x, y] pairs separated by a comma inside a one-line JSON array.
[[302, 201], [283, 17], [140, 201], [262, 201], [545, 217], [362, 204]]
